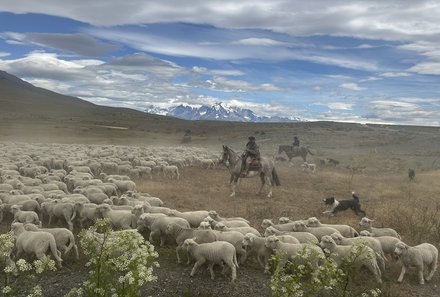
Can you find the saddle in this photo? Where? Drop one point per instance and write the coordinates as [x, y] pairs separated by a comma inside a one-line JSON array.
[[255, 165]]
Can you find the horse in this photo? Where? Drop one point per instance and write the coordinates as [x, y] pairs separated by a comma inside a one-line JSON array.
[[266, 171], [294, 151]]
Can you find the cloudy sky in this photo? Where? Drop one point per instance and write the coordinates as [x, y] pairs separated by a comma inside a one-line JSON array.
[[356, 61]]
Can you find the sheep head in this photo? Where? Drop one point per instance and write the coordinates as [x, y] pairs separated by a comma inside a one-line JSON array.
[[283, 220], [266, 223], [337, 237], [299, 226], [400, 250], [313, 222], [272, 242], [327, 242]]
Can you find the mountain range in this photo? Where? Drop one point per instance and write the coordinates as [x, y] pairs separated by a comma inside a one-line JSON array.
[[218, 112]]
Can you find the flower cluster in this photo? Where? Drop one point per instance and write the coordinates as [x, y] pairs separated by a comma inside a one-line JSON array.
[[119, 262]]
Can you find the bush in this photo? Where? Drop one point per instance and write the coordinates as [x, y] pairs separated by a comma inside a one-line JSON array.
[[120, 262], [299, 278]]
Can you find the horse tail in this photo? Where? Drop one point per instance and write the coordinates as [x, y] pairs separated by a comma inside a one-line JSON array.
[[275, 178]]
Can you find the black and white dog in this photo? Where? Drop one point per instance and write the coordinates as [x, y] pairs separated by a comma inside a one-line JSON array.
[[334, 205]]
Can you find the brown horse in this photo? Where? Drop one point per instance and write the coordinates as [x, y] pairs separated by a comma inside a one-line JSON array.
[[294, 151], [266, 171]]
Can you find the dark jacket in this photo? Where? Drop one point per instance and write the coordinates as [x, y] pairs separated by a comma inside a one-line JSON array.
[[252, 149], [295, 141]]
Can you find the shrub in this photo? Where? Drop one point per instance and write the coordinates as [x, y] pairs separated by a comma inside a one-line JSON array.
[[120, 262], [299, 278]]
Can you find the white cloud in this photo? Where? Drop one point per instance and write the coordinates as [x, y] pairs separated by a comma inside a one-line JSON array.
[[260, 42], [339, 105], [4, 54], [370, 78], [227, 72], [228, 85], [395, 74], [352, 86]]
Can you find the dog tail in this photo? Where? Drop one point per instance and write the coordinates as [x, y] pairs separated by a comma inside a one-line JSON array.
[[355, 197]]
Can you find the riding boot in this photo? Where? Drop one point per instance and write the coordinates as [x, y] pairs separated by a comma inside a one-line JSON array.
[[244, 168]]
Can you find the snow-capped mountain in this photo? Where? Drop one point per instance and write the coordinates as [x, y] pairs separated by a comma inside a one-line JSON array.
[[217, 112]]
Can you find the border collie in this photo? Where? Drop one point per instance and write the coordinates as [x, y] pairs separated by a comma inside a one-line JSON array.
[[334, 205]]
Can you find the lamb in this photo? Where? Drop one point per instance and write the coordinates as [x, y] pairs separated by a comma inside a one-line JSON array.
[[303, 237], [64, 238], [213, 214], [194, 218], [214, 253], [359, 257], [317, 231], [345, 230], [420, 256], [388, 243], [119, 218], [171, 172], [221, 227], [282, 227], [373, 243], [367, 223], [180, 234], [230, 224], [290, 250], [24, 216], [36, 243]]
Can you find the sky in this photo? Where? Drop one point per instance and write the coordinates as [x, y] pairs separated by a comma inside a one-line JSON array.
[[349, 61]]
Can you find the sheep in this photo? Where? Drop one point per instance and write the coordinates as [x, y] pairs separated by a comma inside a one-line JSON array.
[[32, 205], [231, 224], [221, 227], [303, 237], [317, 231], [213, 214], [180, 234], [420, 256], [171, 172], [146, 219], [64, 238], [203, 226], [373, 243], [256, 245], [388, 243], [214, 253], [123, 185], [65, 211], [24, 216], [34, 243], [282, 227], [158, 226], [119, 218], [85, 212], [290, 250], [362, 256], [366, 223], [193, 217], [345, 230], [156, 209], [236, 239], [309, 166]]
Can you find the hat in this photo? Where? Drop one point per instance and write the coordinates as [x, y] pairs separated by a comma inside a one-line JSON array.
[[251, 138]]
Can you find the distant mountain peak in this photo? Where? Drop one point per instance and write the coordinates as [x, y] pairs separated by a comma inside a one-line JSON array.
[[219, 111]]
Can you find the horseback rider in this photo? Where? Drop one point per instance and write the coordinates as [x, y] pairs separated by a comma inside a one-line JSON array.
[[251, 152], [295, 141]]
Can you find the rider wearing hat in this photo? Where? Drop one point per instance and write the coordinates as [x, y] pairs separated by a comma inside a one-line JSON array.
[[251, 151], [295, 141]]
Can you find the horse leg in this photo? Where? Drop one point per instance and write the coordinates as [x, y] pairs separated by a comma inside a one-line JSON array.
[[233, 186], [263, 181], [269, 185]]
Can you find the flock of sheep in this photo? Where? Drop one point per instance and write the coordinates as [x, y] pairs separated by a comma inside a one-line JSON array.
[[76, 184]]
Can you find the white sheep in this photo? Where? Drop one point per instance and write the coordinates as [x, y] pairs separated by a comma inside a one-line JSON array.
[[236, 239], [420, 256], [281, 227], [309, 166], [37, 243], [345, 230], [230, 224], [317, 231], [218, 252], [123, 185], [388, 243], [194, 218], [357, 255], [119, 218], [290, 250], [213, 214], [243, 230], [373, 243], [171, 172], [180, 233], [64, 238], [367, 224], [303, 237], [204, 226], [24, 216], [158, 226]]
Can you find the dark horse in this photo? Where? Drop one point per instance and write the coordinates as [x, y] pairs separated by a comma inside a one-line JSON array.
[[294, 151], [266, 171]]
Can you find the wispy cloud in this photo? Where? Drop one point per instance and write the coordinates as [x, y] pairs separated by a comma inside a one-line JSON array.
[[353, 86]]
